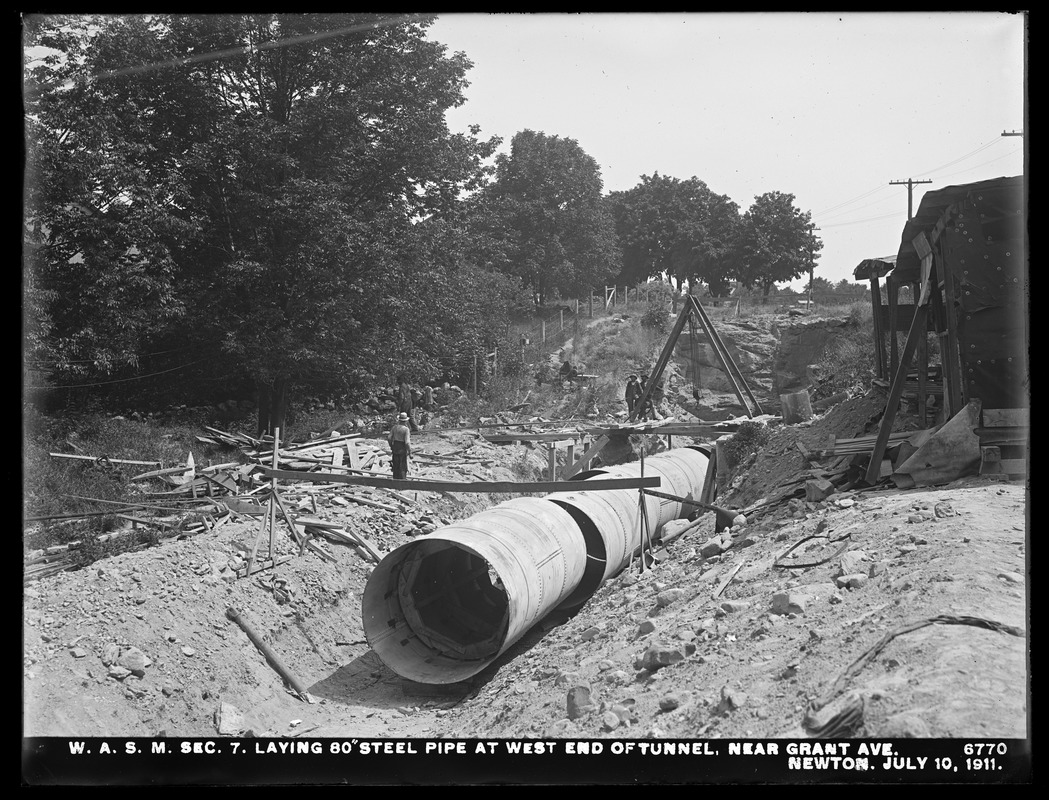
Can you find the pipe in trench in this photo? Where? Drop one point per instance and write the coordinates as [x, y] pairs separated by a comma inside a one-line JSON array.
[[441, 608]]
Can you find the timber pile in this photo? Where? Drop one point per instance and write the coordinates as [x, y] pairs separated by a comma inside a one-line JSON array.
[[59, 558]]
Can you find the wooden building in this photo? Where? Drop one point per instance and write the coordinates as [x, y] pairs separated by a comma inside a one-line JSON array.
[[964, 257]]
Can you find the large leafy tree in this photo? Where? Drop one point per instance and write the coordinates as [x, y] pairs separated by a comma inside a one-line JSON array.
[[545, 219], [675, 227], [270, 169], [777, 242]]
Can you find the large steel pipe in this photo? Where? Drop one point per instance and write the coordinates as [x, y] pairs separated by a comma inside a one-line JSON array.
[[441, 608], [611, 521]]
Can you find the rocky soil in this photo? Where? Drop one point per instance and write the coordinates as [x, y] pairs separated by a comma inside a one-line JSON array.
[[875, 613]]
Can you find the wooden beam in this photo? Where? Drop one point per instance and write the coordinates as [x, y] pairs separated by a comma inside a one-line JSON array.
[[673, 429], [954, 383], [895, 393], [110, 460], [879, 332], [487, 487], [894, 344], [507, 438], [739, 383]]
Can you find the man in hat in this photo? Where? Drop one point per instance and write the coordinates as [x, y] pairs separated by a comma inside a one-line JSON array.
[[401, 446], [633, 392]]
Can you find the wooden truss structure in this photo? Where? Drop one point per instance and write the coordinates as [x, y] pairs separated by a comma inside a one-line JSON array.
[[691, 313]]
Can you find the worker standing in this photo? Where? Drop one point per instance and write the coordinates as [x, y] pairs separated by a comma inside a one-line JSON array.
[[400, 446], [633, 392]]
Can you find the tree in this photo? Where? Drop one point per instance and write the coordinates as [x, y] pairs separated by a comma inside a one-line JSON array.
[[777, 242], [271, 167], [678, 228], [545, 217]]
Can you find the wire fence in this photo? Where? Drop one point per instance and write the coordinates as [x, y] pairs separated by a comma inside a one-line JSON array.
[[561, 320]]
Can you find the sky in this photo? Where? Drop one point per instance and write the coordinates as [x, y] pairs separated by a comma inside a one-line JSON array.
[[829, 107]]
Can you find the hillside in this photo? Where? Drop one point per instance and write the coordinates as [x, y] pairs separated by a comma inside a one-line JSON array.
[[880, 613]]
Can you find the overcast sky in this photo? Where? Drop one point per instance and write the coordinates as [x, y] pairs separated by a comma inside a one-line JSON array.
[[828, 107]]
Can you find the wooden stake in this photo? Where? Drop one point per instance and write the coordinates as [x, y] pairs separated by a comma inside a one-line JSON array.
[[273, 492]]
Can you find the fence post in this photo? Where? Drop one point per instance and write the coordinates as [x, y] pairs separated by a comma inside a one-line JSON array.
[[562, 319], [475, 376], [542, 331], [590, 302], [495, 363]]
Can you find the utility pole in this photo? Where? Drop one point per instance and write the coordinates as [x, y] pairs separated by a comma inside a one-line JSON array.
[[910, 184]]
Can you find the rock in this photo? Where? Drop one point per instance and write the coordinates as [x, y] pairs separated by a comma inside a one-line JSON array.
[[229, 720], [110, 654], [664, 599], [818, 489], [790, 602], [712, 547], [853, 581], [669, 702], [941, 510], [134, 660], [78, 652], [578, 702], [610, 721], [660, 655], [566, 678], [731, 699], [1011, 577], [589, 633], [646, 627], [850, 562], [734, 606], [671, 529], [118, 672]]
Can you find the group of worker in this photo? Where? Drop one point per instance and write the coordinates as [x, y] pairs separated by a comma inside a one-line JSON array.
[[635, 390]]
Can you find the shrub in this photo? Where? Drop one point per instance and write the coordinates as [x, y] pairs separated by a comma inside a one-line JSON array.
[[750, 438], [656, 320]]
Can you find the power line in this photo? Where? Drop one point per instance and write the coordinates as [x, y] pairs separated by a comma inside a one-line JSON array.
[[243, 50], [120, 380]]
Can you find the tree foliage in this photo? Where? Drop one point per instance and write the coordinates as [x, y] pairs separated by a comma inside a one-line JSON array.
[[545, 218], [679, 228], [777, 242], [251, 183]]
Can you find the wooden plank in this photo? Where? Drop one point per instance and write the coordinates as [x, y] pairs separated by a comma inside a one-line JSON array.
[[879, 332], [488, 487], [507, 438], [1006, 417], [589, 454], [895, 393], [674, 429], [110, 460], [894, 346], [956, 394]]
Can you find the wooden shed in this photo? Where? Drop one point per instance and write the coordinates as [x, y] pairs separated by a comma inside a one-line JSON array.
[[964, 255]]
